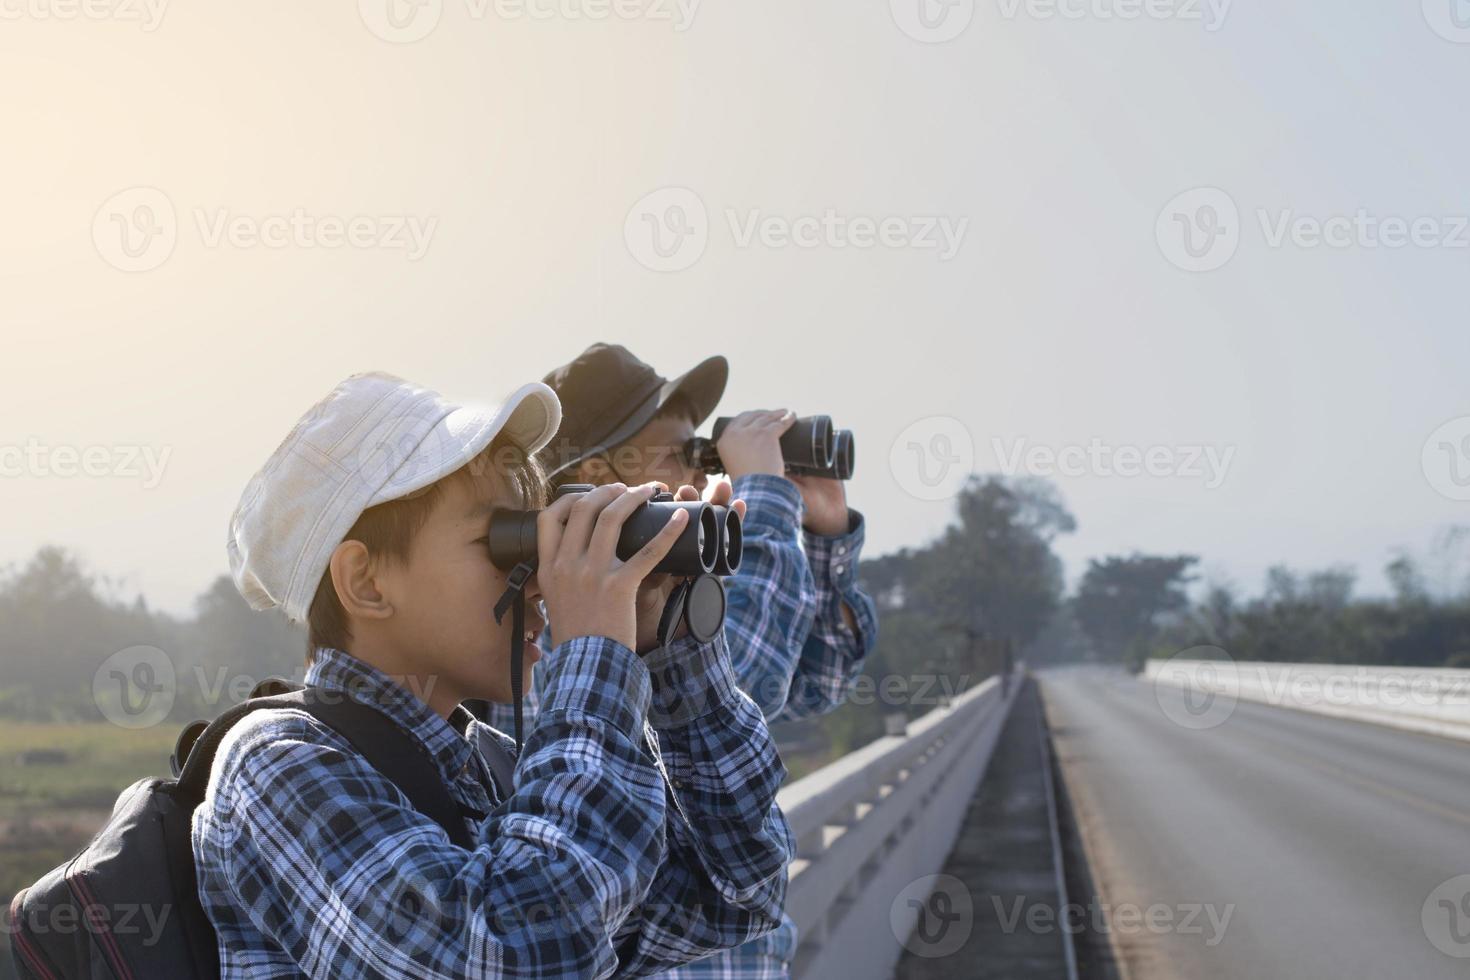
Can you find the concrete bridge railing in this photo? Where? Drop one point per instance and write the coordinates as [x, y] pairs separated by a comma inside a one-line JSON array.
[[1435, 701], [876, 820]]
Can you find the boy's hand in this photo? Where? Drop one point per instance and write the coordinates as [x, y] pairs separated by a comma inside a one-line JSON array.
[[587, 590], [824, 504], [654, 593], [751, 443]]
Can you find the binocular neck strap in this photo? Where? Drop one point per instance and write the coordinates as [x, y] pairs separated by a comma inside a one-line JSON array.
[[514, 598]]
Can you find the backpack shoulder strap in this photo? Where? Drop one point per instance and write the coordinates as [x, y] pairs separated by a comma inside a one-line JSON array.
[[398, 756], [395, 753], [195, 766]]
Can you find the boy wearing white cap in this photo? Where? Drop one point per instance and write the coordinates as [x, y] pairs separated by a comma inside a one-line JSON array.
[[642, 829]]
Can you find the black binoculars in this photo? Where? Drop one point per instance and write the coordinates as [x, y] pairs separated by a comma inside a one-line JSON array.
[[811, 447], [711, 543]]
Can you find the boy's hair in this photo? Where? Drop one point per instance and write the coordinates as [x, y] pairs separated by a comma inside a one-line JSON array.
[[387, 530], [677, 405]]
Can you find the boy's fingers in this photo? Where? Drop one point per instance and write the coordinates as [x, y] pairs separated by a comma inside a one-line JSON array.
[[642, 563], [686, 492], [739, 508], [783, 420], [585, 509], [720, 496], [755, 415], [550, 525], [603, 547]]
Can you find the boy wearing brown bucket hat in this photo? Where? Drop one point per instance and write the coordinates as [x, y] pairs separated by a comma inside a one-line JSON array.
[[799, 625]]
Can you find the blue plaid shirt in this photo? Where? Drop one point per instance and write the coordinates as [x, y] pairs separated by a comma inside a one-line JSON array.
[[310, 863], [790, 647]]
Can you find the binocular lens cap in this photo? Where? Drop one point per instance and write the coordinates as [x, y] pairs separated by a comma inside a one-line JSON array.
[[704, 607]]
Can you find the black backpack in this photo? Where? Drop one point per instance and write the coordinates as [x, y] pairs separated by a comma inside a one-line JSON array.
[[127, 906]]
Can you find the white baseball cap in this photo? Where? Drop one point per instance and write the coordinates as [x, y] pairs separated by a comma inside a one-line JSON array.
[[374, 438]]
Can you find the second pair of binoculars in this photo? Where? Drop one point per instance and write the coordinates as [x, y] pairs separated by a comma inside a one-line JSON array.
[[811, 447], [711, 543]]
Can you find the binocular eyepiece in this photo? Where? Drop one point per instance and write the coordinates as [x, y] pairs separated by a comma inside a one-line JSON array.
[[711, 542], [811, 447]]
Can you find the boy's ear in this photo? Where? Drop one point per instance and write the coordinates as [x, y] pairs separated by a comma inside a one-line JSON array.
[[353, 578]]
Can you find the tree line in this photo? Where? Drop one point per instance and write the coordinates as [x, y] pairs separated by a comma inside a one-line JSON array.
[[951, 611]]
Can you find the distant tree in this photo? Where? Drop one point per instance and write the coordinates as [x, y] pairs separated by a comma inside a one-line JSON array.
[[1061, 640], [993, 573], [1314, 617], [947, 609], [884, 577], [57, 626], [1217, 613], [1120, 600], [230, 647], [1407, 580], [1331, 588], [59, 623]]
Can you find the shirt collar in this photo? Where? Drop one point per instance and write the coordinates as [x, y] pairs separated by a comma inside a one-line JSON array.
[[334, 670]]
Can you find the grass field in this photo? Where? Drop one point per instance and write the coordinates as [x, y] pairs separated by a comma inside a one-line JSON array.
[[49, 808], [51, 805]]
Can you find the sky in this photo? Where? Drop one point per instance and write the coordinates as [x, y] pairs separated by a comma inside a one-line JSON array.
[[1203, 263]]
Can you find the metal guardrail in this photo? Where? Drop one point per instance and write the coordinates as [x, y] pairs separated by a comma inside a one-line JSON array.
[[878, 819], [1435, 701]]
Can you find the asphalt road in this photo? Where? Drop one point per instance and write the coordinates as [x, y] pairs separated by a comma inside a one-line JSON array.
[[1260, 842]]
